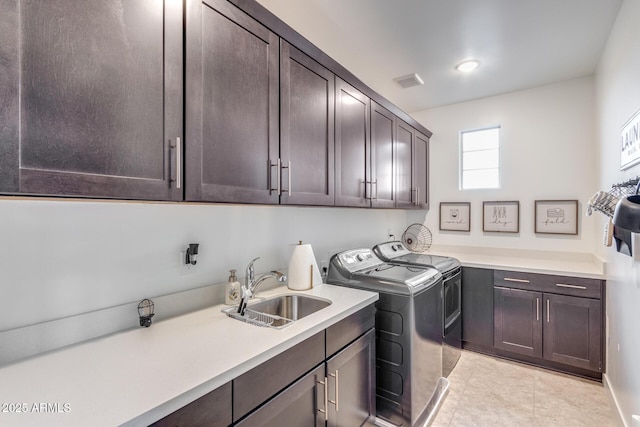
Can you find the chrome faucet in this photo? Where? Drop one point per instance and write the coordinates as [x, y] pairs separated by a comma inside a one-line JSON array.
[[251, 284]]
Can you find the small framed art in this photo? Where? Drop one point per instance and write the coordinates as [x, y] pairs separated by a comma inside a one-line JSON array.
[[455, 216], [503, 217], [556, 217]]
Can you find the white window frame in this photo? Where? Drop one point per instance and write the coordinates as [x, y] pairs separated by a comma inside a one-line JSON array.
[[461, 157]]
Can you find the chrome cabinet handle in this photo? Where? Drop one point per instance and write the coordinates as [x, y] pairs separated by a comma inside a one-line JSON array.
[[547, 310], [177, 147], [370, 192], [335, 402], [288, 190], [326, 399], [537, 309], [277, 166], [418, 196], [509, 279], [562, 285]]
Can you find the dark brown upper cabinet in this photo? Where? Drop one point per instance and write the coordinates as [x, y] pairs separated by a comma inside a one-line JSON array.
[[421, 171], [404, 190], [383, 128], [91, 98], [411, 164], [232, 89], [353, 149], [306, 173]]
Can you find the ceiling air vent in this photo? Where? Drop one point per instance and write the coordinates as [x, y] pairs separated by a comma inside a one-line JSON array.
[[410, 80]]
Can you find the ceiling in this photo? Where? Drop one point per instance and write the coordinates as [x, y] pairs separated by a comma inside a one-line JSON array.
[[519, 43]]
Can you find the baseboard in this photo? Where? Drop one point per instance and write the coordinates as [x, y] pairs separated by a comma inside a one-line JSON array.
[[620, 421]]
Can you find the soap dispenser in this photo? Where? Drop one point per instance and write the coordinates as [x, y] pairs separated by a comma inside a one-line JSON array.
[[232, 290]]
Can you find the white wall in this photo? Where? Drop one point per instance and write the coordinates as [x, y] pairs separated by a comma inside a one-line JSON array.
[[618, 98], [547, 152], [60, 258]]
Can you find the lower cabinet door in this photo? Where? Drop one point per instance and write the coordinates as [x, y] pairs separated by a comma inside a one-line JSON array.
[[573, 331], [477, 306], [517, 321], [297, 405], [351, 383]]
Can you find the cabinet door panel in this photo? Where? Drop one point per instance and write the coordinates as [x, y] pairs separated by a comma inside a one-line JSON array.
[[232, 110], [518, 321], [573, 331], [9, 97], [100, 98], [477, 306], [382, 156], [352, 147], [351, 383], [296, 406], [307, 129], [404, 165], [421, 172]]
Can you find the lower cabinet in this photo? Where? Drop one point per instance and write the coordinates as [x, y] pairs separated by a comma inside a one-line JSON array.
[[297, 405], [326, 380], [573, 331], [554, 319], [351, 384], [477, 308], [339, 392], [517, 321]]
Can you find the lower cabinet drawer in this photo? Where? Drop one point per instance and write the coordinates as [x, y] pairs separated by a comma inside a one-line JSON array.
[[347, 330], [212, 410], [254, 387], [562, 285]]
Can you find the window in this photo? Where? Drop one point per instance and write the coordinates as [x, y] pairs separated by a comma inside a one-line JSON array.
[[480, 158]]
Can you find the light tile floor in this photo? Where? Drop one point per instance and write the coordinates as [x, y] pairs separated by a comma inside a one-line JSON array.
[[490, 392]]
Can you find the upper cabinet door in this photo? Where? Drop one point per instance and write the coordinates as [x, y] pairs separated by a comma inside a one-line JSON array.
[[306, 129], [232, 105], [91, 98], [353, 174], [383, 127], [405, 191], [421, 174]]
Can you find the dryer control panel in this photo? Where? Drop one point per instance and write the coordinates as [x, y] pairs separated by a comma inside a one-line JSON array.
[[391, 250]]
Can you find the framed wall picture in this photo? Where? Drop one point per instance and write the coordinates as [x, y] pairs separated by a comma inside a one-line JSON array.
[[556, 216], [455, 216], [630, 142], [503, 217]]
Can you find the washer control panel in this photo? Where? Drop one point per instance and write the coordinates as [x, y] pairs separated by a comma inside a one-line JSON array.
[[358, 259]]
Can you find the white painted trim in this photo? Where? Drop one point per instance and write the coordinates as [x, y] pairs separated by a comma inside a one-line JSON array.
[[612, 398]]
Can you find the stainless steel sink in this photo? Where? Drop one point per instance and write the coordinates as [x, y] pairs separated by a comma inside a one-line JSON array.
[[279, 312]]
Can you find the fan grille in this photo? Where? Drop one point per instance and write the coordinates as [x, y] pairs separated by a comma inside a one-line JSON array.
[[417, 238]]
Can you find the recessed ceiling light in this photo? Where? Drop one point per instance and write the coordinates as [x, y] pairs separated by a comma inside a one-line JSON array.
[[467, 66]]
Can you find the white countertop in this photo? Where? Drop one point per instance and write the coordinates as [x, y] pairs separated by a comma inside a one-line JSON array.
[[138, 376], [575, 264]]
